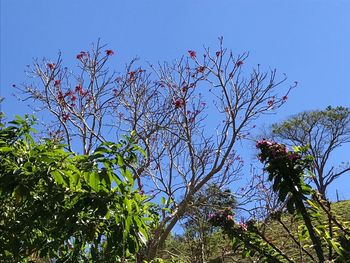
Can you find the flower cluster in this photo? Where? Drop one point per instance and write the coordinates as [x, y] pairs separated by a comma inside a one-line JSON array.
[[51, 66], [222, 219], [178, 103], [82, 55], [271, 150], [239, 63], [109, 52], [285, 168], [225, 220], [192, 54]]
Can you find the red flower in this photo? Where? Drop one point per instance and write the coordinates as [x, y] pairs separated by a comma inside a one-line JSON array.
[[270, 103], [243, 226], [132, 75], [284, 98], [57, 82], [178, 103], [51, 65], [109, 52], [239, 63], [79, 89], [65, 117], [74, 98], [218, 53], [192, 54], [200, 69], [81, 55]]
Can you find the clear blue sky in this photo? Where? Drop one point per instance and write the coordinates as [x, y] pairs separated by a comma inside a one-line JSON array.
[[308, 40]]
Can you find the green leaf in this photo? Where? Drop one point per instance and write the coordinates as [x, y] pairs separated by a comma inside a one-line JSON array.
[[163, 200], [59, 177], [93, 181], [128, 176]]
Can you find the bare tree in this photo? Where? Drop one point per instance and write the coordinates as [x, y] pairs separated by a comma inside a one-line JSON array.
[[324, 132], [188, 116]]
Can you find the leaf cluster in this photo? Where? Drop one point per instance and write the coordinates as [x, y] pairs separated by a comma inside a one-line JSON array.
[[59, 205]]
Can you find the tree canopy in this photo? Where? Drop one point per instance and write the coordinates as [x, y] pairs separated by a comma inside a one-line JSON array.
[[323, 131], [59, 205]]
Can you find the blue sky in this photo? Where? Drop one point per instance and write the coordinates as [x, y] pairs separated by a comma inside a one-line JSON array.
[[308, 40]]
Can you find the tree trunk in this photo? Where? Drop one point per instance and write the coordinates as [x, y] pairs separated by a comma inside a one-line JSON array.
[[164, 230]]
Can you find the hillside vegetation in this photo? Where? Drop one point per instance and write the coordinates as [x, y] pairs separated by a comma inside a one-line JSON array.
[[181, 249]]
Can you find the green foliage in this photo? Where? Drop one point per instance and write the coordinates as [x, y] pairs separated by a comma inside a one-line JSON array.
[[56, 204]]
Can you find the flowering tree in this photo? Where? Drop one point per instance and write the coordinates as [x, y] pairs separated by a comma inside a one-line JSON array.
[[187, 115], [324, 131]]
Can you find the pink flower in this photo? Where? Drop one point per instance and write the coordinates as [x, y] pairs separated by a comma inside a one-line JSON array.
[[81, 55], [229, 217], [109, 52], [192, 54], [79, 89], [239, 63], [243, 225], [263, 142], [211, 216], [65, 117], [200, 69], [178, 103], [51, 65], [57, 82]]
